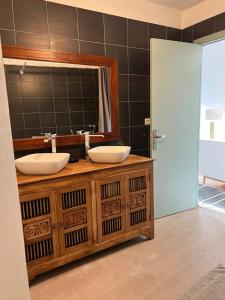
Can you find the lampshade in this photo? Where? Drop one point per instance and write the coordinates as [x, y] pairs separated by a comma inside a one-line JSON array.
[[213, 114]]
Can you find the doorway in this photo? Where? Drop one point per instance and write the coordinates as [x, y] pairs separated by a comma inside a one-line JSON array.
[[212, 128]]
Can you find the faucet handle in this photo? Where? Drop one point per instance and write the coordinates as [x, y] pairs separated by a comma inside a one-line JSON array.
[[80, 132], [46, 134]]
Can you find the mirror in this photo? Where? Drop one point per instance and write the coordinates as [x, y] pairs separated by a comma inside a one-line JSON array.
[[60, 93]]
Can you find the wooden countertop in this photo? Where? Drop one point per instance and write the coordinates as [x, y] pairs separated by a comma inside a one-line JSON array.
[[80, 168]]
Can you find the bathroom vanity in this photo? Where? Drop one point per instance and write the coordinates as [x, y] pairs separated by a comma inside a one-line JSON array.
[[83, 209]]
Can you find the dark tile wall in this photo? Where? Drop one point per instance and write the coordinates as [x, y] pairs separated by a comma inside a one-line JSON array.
[[43, 25], [56, 100], [204, 28]]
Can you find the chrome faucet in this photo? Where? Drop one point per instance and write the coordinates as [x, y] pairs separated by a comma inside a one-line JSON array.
[[52, 138], [87, 137]]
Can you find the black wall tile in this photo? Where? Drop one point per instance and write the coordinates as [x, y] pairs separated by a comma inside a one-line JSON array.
[[59, 89], [48, 120], [123, 87], [64, 45], [18, 134], [32, 120], [29, 89], [139, 88], [220, 22], [30, 16], [90, 117], [15, 105], [124, 135], [17, 121], [32, 132], [88, 89], [31, 40], [44, 89], [7, 37], [173, 34], [61, 105], [157, 31], [76, 118], [62, 20], [138, 112], [139, 137], [13, 89], [90, 25], [90, 104], [58, 74], [6, 14], [46, 105], [30, 105], [115, 30], [73, 75], [138, 34], [138, 61], [204, 28], [187, 34], [74, 89], [92, 48], [120, 53], [124, 114], [75, 104], [62, 119]]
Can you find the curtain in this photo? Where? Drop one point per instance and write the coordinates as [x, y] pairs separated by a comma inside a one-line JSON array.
[[104, 122]]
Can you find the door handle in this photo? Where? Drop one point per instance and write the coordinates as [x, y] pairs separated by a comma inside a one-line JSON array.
[[156, 137]]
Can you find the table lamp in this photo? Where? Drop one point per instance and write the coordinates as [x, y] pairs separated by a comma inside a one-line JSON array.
[[212, 115]]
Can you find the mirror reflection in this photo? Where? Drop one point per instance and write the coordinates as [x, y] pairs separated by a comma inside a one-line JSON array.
[[65, 99]]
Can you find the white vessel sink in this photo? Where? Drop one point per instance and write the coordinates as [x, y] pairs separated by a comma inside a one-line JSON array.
[[109, 154], [42, 163]]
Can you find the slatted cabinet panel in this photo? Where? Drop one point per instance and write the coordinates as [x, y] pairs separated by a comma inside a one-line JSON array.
[[110, 207], [39, 219], [74, 213], [137, 200]]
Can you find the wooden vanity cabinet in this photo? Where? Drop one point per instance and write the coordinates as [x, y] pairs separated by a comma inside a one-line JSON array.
[[79, 214]]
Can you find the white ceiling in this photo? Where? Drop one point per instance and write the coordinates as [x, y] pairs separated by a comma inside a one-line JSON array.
[[177, 4]]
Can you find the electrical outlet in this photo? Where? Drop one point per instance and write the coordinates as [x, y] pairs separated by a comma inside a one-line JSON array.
[[147, 121]]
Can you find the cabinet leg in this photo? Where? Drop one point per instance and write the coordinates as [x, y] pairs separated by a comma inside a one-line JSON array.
[[204, 179], [149, 235]]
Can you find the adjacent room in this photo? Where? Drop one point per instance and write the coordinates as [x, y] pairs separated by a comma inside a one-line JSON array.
[[112, 157], [212, 126]]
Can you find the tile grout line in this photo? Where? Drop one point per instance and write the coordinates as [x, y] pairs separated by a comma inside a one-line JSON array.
[[128, 80], [78, 30], [68, 102], [14, 25]]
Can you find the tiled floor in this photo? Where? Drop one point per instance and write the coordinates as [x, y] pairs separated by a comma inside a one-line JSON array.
[[211, 195], [186, 246]]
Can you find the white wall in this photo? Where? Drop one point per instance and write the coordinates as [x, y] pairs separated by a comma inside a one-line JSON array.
[[13, 274], [213, 86], [213, 75], [141, 10], [202, 11]]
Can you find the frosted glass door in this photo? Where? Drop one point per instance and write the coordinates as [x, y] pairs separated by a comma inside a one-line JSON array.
[[175, 112]]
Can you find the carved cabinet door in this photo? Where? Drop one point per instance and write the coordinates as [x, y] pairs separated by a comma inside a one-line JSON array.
[[138, 194], [74, 213], [110, 207], [39, 219]]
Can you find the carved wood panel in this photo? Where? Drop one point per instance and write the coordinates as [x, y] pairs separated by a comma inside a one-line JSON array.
[[75, 218], [110, 207], [74, 212], [138, 200], [39, 217], [37, 229]]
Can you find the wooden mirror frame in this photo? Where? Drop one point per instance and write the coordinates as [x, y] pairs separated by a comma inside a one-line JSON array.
[[71, 58]]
